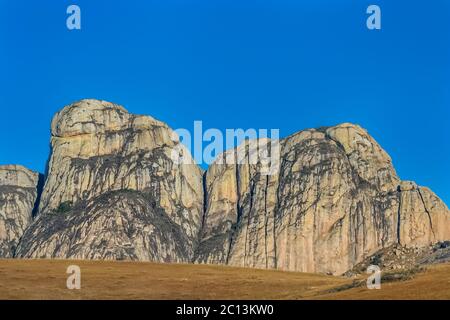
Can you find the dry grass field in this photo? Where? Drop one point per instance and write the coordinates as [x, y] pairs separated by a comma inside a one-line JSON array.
[[46, 279]]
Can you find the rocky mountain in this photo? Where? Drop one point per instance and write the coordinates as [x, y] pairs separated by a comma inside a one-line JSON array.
[[336, 200], [112, 191], [18, 195]]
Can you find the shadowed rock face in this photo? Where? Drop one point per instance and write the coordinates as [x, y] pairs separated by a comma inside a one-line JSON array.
[[97, 148], [119, 225], [113, 192], [18, 193], [335, 201]]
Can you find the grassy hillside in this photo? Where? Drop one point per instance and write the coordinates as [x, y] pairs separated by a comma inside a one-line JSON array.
[[46, 279]]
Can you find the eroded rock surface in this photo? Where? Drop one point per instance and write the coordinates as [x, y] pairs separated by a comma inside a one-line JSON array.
[[118, 225], [335, 201], [97, 148], [18, 194], [424, 218], [113, 191]]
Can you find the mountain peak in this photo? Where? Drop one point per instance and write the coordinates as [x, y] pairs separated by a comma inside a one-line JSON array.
[[114, 192]]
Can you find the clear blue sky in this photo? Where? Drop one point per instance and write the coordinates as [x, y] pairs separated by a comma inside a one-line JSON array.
[[235, 64]]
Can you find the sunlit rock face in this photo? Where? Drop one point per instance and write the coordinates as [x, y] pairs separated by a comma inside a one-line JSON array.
[[113, 191], [424, 218], [335, 200], [18, 194]]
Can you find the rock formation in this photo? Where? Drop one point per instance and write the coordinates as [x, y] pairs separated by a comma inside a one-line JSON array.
[[18, 194], [336, 200], [424, 218], [113, 191]]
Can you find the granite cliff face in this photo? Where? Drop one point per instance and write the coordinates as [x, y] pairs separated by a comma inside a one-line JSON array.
[[18, 194], [424, 218], [336, 200], [112, 191]]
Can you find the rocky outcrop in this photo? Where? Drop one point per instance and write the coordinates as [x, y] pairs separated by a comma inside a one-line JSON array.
[[18, 194], [118, 225], [335, 201], [114, 191], [99, 149], [399, 257], [424, 218]]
